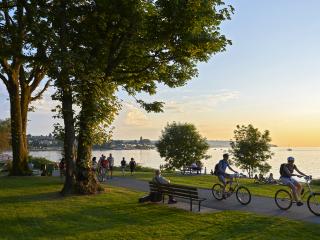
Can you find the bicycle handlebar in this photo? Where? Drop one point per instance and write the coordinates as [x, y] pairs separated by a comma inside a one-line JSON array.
[[308, 178]]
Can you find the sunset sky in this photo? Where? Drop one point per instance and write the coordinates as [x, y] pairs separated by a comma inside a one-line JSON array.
[[269, 77]]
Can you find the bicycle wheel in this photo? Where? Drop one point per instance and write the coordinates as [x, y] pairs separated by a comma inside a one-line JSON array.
[[217, 191], [283, 199], [314, 203], [243, 195]]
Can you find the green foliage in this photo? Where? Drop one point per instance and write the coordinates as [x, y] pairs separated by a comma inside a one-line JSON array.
[[134, 45], [5, 134], [181, 145], [38, 162], [251, 149]]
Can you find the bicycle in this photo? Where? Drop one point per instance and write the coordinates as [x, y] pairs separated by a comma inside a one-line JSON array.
[[243, 194], [284, 198]]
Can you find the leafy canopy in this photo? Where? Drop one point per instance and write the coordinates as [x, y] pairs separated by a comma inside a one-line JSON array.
[[181, 145], [140, 44], [251, 149]]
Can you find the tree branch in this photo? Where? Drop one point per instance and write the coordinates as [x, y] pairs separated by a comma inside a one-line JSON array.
[[38, 76], [39, 94], [5, 65], [5, 81]]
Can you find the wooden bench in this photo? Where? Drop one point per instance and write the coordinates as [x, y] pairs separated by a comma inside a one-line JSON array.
[[180, 191]]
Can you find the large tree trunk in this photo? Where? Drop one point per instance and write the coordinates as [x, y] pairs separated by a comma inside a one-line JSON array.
[[25, 101], [19, 151], [65, 85], [86, 179], [69, 138]]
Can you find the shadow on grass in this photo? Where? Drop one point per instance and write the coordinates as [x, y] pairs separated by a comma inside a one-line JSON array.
[[35, 197]]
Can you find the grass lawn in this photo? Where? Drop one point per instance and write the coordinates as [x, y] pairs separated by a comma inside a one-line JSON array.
[[31, 208], [207, 181]]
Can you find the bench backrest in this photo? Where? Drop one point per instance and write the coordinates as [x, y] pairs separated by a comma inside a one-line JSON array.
[[174, 189]]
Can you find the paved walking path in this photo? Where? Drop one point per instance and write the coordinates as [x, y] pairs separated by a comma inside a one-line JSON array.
[[260, 205]]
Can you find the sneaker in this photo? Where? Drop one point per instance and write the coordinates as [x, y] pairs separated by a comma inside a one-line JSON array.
[[299, 203]]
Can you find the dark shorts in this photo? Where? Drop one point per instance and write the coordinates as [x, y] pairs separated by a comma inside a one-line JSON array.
[[111, 168]]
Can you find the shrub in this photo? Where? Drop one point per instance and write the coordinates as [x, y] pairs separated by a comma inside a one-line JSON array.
[[40, 162]]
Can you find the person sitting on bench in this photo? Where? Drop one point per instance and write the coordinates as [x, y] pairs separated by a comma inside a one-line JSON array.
[[195, 167], [158, 178]]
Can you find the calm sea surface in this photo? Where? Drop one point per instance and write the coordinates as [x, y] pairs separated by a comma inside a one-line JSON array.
[[307, 159]]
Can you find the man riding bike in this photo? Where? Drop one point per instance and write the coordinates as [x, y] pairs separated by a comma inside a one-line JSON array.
[[286, 172], [220, 171]]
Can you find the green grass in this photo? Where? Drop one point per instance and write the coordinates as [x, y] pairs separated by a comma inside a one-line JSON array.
[[31, 208], [207, 181]]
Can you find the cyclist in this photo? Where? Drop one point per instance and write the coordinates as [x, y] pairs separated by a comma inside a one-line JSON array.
[[220, 171], [286, 172]]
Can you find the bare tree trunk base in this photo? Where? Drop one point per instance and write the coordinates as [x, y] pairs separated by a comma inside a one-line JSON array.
[[87, 182]]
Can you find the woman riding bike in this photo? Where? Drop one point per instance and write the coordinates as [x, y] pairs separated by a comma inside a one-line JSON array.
[[286, 172]]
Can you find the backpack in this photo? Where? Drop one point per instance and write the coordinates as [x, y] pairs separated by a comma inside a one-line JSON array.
[[216, 169], [282, 172], [104, 163], [61, 165]]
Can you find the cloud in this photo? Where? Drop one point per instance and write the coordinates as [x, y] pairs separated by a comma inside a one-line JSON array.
[[200, 103], [135, 116], [45, 104]]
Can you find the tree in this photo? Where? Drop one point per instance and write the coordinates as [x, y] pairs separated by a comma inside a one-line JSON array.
[[4, 135], [181, 145], [23, 65], [132, 45], [61, 16], [251, 149]]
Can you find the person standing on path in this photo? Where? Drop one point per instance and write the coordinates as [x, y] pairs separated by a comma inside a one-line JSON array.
[[111, 164], [123, 166], [132, 165], [104, 168]]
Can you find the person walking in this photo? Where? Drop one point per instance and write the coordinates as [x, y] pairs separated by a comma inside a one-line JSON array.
[[111, 164], [132, 165], [62, 168], [123, 166]]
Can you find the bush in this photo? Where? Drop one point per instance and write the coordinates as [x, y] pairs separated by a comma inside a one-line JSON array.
[[40, 162]]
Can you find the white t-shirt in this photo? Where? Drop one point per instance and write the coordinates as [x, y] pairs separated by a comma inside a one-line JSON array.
[[111, 161]]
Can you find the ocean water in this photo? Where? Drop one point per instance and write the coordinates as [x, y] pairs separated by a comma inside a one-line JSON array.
[[307, 158]]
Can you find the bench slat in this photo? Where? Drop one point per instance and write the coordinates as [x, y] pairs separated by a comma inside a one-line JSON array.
[[179, 190], [174, 185]]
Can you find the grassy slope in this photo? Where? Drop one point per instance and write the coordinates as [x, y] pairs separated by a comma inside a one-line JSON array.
[[31, 208], [207, 181]]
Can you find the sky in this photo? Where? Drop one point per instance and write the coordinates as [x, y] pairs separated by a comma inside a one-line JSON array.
[[268, 77]]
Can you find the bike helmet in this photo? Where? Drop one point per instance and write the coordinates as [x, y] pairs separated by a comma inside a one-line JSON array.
[[290, 159]]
